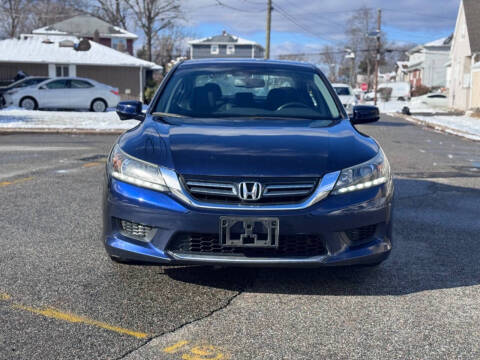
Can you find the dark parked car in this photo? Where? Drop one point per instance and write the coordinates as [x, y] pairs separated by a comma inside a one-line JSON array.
[[247, 162], [27, 81]]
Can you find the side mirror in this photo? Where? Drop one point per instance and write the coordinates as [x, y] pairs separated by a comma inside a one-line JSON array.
[[128, 110], [363, 114], [42, 88]]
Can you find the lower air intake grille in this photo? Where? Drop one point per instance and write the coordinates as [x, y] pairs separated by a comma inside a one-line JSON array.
[[289, 246], [135, 230], [361, 233]]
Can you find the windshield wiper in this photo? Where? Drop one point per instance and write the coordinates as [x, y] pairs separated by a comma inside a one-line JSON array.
[[168, 114]]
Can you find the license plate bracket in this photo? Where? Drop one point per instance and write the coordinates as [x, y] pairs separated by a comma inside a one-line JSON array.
[[260, 232]]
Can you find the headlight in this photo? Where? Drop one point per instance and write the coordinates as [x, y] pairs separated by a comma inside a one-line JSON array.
[[371, 173], [135, 171]]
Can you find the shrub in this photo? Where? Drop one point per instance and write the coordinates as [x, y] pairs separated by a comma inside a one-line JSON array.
[[150, 91], [385, 93], [420, 90]]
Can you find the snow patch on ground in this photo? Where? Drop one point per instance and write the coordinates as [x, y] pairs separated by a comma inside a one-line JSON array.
[[35, 119], [465, 126]]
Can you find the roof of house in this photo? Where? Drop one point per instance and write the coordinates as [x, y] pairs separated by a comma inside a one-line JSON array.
[[47, 50], [472, 14], [440, 44], [223, 38], [86, 26]]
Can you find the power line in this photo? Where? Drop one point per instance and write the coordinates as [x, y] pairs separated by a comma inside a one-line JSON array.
[[220, 3], [290, 18]]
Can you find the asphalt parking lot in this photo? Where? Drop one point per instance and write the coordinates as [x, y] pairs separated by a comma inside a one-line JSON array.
[[61, 297]]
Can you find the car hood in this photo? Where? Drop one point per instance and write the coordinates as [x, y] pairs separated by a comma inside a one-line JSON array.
[[251, 148]]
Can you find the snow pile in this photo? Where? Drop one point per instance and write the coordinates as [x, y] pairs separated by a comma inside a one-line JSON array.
[[468, 127], [34, 119]]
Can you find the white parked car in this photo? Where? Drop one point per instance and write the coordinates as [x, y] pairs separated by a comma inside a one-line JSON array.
[[434, 100], [346, 95], [65, 93]]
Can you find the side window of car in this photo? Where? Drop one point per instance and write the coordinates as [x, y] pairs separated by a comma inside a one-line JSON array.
[[80, 84], [58, 84]]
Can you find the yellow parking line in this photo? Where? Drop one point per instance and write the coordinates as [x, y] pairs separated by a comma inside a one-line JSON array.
[[4, 296], [72, 318], [17, 181], [92, 164], [174, 348]]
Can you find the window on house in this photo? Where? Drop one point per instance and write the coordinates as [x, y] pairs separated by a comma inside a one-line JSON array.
[[230, 49], [61, 70], [119, 44], [214, 50]]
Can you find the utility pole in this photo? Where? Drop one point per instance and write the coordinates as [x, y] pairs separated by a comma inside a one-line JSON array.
[[377, 61], [269, 26]]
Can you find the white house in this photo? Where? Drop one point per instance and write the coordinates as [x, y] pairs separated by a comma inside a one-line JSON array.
[[426, 63], [225, 46], [462, 68]]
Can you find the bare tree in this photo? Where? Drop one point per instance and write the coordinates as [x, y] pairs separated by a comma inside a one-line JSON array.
[[13, 16], [332, 58], [152, 16], [169, 45], [364, 47], [47, 12], [114, 12]]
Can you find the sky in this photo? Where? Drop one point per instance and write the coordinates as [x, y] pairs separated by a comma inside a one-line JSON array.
[[307, 25]]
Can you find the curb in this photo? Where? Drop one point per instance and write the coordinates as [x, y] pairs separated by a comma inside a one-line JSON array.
[[442, 128], [71, 131]]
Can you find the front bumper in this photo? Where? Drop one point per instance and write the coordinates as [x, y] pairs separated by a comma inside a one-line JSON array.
[[328, 220]]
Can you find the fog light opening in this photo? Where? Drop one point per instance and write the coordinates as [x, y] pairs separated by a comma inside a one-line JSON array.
[[136, 231]]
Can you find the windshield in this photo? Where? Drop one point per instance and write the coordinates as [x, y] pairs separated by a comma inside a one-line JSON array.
[[226, 90], [342, 90]]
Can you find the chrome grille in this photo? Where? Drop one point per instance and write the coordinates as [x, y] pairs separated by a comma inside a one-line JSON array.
[[275, 191], [288, 189], [212, 188]]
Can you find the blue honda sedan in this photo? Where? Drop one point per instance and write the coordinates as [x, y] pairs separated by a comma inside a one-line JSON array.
[[247, 162]]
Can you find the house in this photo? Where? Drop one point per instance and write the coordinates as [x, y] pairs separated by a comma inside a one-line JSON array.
[[401, 68], [39, 55], [426, 63], [463, 68], [91, 28], [225, 46]]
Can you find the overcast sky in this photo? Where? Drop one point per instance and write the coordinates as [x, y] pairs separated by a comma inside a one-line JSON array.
[[314, 23]]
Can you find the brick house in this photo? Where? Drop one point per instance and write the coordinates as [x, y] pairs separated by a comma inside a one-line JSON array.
[[91, 28]]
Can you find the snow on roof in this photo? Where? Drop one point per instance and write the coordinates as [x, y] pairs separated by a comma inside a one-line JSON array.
[[84, 25], [438, 42], [223, 38], [34, 49]]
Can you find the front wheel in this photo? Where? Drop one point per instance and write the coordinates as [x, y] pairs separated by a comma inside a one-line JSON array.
[[28, 104], [98, 105]]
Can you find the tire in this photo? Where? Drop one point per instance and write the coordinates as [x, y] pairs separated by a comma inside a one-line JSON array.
[[28, 103], [98, 105]]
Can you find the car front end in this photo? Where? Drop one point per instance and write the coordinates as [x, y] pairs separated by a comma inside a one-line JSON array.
[[262, 193]]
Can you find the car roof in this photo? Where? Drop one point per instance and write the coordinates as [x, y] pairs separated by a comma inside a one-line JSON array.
[[237, 61], [340, 84], [70, 78]]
